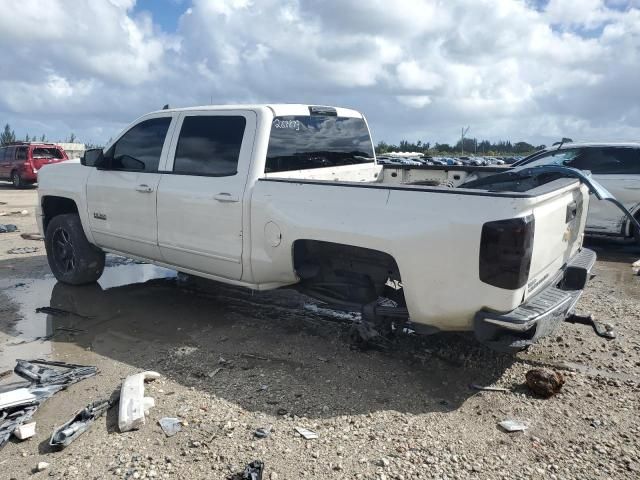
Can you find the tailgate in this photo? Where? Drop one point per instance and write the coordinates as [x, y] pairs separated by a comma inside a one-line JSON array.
[[559, 226]]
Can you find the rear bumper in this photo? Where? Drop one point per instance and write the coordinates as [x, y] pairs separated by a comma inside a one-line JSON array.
[[541, 314]]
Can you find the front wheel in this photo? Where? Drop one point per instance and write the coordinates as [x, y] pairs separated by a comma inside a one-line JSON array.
[[71, 257]]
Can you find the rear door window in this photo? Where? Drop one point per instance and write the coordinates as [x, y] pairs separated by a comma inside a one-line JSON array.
[[141, 147], [21, 154], [209, 145]]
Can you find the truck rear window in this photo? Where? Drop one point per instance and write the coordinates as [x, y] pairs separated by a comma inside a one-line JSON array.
[[46, 153], [304, 142]]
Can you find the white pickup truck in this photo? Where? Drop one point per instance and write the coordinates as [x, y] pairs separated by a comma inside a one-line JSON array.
[[267, 196]]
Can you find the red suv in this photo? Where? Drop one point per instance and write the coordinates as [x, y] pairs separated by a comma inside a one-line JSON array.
[[20, 161]]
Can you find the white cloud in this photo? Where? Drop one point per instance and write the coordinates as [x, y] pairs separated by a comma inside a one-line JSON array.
[[418, 69]]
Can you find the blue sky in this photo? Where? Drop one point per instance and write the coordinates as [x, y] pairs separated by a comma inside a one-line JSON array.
[[166, 13]]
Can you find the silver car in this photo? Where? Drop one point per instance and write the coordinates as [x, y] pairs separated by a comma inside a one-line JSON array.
[[616, 166]]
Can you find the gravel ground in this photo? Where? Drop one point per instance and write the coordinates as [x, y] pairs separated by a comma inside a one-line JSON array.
[[233, 361]]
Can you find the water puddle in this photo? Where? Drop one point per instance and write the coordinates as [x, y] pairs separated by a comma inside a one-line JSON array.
[[32, 334]]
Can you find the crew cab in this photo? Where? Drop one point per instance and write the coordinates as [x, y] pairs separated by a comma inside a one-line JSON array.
[[268, 196], [21, 161]]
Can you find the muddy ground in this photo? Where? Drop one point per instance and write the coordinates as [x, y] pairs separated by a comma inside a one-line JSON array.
[[233, 361]]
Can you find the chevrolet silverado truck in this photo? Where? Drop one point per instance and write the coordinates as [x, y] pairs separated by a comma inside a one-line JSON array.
[[269, 196]]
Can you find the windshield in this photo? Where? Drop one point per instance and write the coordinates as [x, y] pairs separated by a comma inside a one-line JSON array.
[[559, 157], [304, 142], [46, 153]]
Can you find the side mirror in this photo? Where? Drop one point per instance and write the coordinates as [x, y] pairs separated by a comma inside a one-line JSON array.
[[93, 158]]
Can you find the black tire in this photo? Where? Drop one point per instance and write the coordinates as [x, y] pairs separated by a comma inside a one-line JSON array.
[[16, 180], [71, 257]]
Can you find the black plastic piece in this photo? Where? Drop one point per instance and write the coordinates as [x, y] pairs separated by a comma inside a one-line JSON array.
[[320, 110]]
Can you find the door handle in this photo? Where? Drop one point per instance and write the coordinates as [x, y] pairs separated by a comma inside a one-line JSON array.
[[144, 188], [226, 198]]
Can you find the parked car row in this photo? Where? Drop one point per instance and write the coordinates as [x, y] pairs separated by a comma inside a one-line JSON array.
[[474, 161]]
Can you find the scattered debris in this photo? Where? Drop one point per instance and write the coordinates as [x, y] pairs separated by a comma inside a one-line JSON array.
[[47, 378], [215, 372], [133, 404], [32, 236], [263, 432], [475, 386], [255, 357], [544, 382], [170, 426], [24, 431], [513, 426], [42, 466], [282, 411], [5, 374], [253, 471], [22, 250], [636, 267], [306, 434], [16, 398], [59, 312], [14, 212], [8, 228], [602, 329], [80, 423]]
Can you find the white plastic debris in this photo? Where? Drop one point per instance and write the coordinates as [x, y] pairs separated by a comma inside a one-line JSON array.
[[14, 398], [133, 404], [306, 434], [513, 426], [24, 431], [170, 425], [42, 466]]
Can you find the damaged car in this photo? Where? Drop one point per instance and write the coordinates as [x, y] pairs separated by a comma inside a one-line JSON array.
[[269, 196]]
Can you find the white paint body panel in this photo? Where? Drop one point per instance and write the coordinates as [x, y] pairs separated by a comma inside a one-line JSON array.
[[432, 233]]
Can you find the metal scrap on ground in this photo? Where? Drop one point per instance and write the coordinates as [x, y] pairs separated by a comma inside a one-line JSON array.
[[22, 250], [80, 423], [170, 425], [46, 378], [306, 434], [513, 426], [8, 228]]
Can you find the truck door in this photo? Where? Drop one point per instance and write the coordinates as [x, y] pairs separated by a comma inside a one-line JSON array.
[[200, 195], [121, 196]]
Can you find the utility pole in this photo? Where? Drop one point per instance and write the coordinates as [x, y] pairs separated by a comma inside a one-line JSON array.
[[463, 132]]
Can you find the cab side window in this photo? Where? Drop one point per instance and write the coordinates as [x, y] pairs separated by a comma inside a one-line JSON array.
[[140, 148]]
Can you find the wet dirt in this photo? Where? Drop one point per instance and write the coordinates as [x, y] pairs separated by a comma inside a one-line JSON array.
[[233, 361]]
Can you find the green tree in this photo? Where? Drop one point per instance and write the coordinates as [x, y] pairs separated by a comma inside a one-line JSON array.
[[26, 138], [43, 138], [7, 136], [72, 137]]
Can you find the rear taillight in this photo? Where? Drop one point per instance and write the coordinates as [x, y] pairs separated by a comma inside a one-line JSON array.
[[505, 252]]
